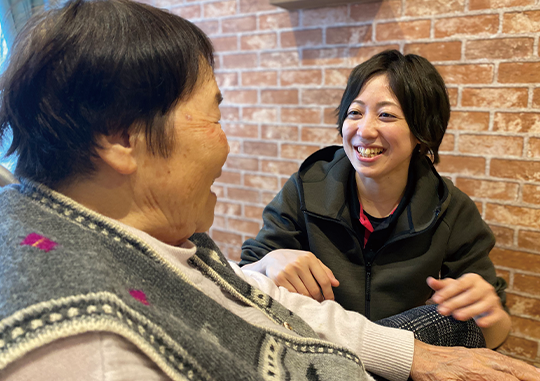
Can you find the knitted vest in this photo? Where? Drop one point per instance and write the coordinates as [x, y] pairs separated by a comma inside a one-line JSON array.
[[64, 270]]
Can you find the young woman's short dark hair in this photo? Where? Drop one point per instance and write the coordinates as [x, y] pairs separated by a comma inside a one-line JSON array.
[[96, 67], [418, 87]]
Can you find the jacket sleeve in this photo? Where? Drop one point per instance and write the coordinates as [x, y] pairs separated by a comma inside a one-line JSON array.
[[469, 243], [283, 225]]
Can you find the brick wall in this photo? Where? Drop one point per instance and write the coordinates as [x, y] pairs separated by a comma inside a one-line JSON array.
[[282, 74]]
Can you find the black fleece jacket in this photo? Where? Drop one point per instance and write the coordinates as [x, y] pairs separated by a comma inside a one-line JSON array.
[[435, 231]]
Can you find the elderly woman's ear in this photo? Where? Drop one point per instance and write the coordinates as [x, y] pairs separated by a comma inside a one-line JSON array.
[[118, 151]]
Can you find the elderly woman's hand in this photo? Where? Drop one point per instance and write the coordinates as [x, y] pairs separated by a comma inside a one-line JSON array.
[[472, 297], [298, 271]]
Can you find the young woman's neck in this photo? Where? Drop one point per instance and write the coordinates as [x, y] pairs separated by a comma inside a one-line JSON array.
[[379, 197]]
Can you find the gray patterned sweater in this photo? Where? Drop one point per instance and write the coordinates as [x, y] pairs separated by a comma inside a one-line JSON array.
[[65, 270]]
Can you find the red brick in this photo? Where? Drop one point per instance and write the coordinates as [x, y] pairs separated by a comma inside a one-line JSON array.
[[496, 190], [528, 239], [522, 305], [517, 122], [513, 215], [254, 212], [240, 96], [288, 133], [244, 226], [526, 327], [259, 114], [287, 97], [252, 6], [536, 97], [245, 163], [517, 346], [503, 235], [464, 74], [244, 195], [241, 130], [259, 41], [232, 253], [223, 44], [280, 59], [499, 48], [325, 16], [479, 206], [260, 148], [361, 54], [380, 10], [219, 223], [323, 135], [279, 167], [453, 96], [448, 143], [515, 259], [436, 51], [226, 79], [229, 114], [521, 22], [301, 77], [228, 208], [470, 25], [234, 147], [278, 20], [160, 3], [407, 30], [239, 61], [464, 165], [297, 151], [508, 97], [527, 283], [491, 145], [188, 12], [519, 72], [209, 27], [534, 148], [226, 237], [239, 24], [228, 177], [261, 182], [298, 38], [490, 4], [330, 116], [306, 115], [336, 77], [433, 7], [515, 169], [259, 78], [531, 194], [469, 121], [324, 57], [330, 97], [219, 9], [349, 35]]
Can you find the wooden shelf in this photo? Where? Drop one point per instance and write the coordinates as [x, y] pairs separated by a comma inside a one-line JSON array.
[[303, 4]]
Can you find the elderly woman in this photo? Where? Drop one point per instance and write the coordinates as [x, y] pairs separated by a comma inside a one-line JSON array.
[[105, 275], [376, 216]]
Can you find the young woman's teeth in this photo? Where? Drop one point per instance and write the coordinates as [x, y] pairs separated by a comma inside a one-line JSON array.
[[369, 152]]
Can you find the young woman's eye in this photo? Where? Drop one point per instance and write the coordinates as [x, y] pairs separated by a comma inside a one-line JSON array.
[[387, 115], [353, 113]]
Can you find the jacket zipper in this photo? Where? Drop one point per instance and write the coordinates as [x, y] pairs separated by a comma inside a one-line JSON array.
[[367, 311]]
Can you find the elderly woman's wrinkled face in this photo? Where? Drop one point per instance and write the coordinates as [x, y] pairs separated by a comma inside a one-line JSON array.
[[174, 192]]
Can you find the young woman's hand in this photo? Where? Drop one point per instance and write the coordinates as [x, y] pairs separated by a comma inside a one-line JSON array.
[[298, 271], [472, 297]]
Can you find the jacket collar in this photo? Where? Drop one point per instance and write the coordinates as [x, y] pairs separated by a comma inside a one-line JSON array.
[[327, 192]]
